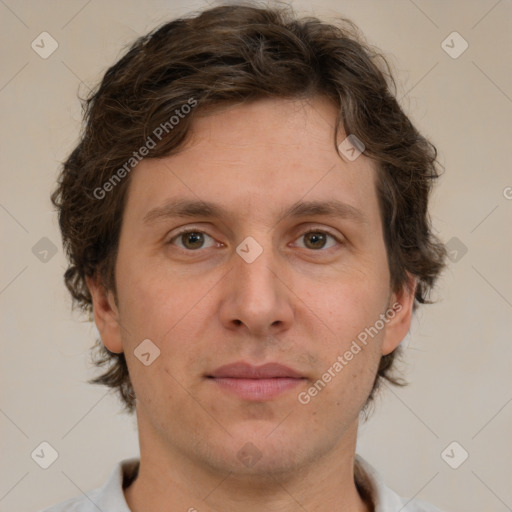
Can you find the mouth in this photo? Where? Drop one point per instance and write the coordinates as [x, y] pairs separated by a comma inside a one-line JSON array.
[[256, 383]]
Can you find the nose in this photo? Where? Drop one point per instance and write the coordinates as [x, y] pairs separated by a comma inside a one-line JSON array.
[[255, 297]]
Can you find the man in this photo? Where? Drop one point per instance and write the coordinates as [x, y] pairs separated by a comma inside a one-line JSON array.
[[246, 216]]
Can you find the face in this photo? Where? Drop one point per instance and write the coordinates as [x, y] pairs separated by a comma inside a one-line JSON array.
[[260, 278]]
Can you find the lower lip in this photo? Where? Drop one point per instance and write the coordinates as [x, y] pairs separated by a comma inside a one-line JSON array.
[[257, 389]]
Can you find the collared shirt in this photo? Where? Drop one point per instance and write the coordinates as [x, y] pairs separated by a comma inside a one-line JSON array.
[[110, 497]]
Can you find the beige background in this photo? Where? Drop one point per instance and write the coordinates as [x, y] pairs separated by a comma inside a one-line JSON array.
[[459, 351]]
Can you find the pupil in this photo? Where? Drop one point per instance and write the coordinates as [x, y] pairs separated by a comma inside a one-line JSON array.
[[194, 238], [315, 237]]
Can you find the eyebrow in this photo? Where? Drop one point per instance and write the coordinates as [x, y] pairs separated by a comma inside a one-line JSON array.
[[193, 208]]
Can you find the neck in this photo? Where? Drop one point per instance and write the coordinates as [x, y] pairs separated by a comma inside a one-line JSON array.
[[168, 479]]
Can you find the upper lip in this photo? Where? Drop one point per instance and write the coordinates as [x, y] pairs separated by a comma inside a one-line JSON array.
[[242, 370]]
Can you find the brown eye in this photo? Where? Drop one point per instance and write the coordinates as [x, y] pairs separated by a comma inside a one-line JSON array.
[[196, 240], [316, 240], [190, 240]]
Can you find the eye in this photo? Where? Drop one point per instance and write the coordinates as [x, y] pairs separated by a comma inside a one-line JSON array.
[[317, 239], [192, 239]]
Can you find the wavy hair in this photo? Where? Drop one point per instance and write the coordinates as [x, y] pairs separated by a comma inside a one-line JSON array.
[[233, 54]]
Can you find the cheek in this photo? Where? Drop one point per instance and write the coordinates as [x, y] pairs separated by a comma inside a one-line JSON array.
[[350, 305], [152, 310], [150, 306], [341, 389], [349, 349]]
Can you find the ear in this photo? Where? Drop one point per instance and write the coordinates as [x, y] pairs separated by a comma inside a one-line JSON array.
[[106, 315], [399, 315]]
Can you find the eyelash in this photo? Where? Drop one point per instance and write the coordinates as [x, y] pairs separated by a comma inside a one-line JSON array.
[[191, 230]]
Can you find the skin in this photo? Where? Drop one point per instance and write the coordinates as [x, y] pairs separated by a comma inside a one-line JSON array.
[[300, 303]]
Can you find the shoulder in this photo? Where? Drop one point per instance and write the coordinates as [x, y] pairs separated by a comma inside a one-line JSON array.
[[384, 498], [78, 504], [110, 496]]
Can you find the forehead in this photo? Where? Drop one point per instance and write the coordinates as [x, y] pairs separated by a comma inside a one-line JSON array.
[[258, 159]]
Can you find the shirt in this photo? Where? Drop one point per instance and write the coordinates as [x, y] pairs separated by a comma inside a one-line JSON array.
[[110, 497]]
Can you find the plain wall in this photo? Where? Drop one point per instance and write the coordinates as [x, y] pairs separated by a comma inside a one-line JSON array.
[[458, 352]]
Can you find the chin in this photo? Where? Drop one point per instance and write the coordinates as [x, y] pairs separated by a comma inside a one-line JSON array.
[[262, 455]]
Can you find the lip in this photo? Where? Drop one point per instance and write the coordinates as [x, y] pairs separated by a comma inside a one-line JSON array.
[[242, 370], [258, 383]]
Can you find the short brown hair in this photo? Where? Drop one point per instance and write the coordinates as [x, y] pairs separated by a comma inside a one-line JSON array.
[[232, 54]]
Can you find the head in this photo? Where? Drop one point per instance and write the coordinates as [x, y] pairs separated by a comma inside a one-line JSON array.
[[177, 117]]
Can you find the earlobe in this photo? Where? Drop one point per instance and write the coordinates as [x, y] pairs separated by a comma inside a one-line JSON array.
[[399, 316], [106, 315]]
